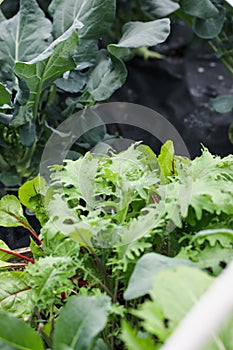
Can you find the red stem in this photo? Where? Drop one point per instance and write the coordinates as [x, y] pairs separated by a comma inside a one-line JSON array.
[[33, 233], [18, 255], [154, 198], [26, 226]]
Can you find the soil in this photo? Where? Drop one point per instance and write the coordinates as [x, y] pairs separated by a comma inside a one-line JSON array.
[[179, 87]]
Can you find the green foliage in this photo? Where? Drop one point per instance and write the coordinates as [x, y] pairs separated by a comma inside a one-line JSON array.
[[18, 335], [77, 326], [49, 277], [42, 77], [15, 295], [134, 342], [19, 39], [174, 292], [115, 229], [11, 212], [141, 280], [88, 316], [136, 34], [210, 249]]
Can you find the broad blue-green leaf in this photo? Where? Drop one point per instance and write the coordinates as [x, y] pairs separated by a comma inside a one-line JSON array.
[[27, 133], [108, 75], [138, 34], [209, 28], [23, 93], [199, 8], [222, 103], [6, 118], [96, 15], [18, 334], [80, 321], [134, 341], [2, 17], [159, 8], [42, 71], [72, 82], [9, 178], [24, 36], [141, 280], [5, 95]]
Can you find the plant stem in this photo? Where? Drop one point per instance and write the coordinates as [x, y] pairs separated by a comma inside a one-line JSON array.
[[100, 266], [116, 287], [34, 234], [25, 225], [146, 53], [223, 60], [17, 254]]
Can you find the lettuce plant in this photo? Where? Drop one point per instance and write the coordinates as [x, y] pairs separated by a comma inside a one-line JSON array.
[[115, 228]]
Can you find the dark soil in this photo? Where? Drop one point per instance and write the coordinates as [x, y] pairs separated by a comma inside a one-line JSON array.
[[179, 87]]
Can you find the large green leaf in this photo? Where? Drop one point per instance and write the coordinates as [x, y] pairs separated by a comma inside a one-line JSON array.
[[15, 294], [199, 8], [18, 334], [159, 8], [11, 212], [138, 34], [174, 293], [80, 321], [42, 71], [209, 28], [108, 75], [72, 81], [24, 36], [141, 280], [96, 15]]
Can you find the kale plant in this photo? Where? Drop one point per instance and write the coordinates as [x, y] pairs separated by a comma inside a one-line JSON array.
[[52, 67]]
